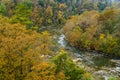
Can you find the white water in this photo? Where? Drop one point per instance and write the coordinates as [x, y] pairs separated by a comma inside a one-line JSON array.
[[61, 41]]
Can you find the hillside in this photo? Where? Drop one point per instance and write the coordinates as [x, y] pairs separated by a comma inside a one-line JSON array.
[[59, 40]]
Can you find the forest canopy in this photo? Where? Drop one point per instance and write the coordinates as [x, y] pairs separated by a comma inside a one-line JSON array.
[[30, 32]]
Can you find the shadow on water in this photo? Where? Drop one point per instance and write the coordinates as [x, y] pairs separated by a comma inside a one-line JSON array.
[[101, 61]]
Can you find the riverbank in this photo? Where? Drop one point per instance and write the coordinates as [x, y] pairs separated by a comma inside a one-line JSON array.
[[101, 67]]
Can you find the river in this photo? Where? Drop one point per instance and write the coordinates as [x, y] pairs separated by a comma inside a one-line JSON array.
[[102, 66]]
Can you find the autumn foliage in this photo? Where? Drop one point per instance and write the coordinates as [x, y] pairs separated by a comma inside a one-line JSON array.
[[21, 51], [95, 31]]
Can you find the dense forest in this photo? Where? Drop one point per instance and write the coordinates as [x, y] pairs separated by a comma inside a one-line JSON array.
[[29, 32]]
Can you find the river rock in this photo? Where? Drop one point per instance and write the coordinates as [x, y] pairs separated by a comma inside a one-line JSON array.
[[102, 74], [116, 61], [77, 60]]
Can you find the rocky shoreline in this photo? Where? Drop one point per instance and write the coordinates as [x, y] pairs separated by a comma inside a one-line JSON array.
[[85, 59]]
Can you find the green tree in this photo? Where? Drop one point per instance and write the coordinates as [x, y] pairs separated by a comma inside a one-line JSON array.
[[69, 68], [22, 14], [41, 3], [101, 5], [3, 10]]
